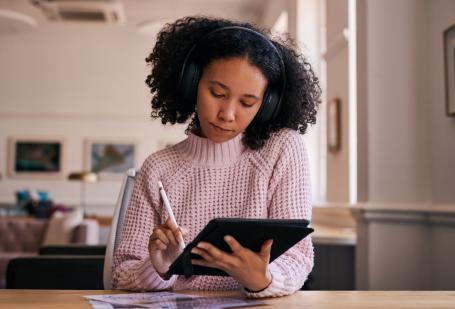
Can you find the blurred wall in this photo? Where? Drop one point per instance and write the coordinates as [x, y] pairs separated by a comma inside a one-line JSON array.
[[407, 226], [411, 140], [78, 82], [337, 58], [441, 127], [398, 95]]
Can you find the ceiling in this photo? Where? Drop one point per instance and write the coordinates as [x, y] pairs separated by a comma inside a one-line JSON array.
[[138, 12]]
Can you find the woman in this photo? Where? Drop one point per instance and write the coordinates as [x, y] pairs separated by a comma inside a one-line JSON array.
[[248, 98]]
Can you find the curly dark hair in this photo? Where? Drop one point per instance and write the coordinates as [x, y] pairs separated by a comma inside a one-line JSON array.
[[302, 91]]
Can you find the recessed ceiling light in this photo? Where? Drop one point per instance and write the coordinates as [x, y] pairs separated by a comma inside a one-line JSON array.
[[13, 21], [17, 16]]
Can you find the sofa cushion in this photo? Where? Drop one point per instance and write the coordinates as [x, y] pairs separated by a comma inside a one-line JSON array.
[[87, 233], [21, 234], [61, 227]]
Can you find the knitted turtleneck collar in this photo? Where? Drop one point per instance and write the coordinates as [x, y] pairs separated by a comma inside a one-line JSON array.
[[203, 151]]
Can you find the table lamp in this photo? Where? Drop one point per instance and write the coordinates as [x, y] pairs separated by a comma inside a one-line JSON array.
[[84, 177]]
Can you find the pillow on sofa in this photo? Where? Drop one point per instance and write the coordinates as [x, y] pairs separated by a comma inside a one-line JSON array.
[[61, 227]]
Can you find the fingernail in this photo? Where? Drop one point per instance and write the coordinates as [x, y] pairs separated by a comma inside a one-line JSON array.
[[227, 238]]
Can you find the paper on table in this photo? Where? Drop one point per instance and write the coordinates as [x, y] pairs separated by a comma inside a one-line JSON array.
[[138, 299], [166, 300]]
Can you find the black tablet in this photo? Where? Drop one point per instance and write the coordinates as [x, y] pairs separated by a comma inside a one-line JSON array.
[[250, 233]]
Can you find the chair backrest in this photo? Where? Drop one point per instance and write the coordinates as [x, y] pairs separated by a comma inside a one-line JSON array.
[[115, 233]]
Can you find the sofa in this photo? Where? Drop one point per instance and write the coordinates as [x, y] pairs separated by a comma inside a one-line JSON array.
[[23, 236]]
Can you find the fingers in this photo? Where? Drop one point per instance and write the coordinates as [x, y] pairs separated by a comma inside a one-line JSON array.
[[211, 249], [157, 244], [235, 246], [165, 235], [171, 224], [214, 256], [170, 235], [158, 240], [175, 230], [266, 249], [159, 234], [202, 253]]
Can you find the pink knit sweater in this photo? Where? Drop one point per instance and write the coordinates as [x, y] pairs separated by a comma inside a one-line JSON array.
[[206, 180]]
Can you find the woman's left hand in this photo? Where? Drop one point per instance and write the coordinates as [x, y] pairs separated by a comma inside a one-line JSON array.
[[249, 268]]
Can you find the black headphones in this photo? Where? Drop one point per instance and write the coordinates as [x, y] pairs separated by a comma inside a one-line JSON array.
[[191, 74]]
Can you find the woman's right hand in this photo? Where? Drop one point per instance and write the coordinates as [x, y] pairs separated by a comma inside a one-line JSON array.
[[165, 245]]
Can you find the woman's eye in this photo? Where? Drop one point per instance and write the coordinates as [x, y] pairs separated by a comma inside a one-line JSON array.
[[217, 95], [246, 104]]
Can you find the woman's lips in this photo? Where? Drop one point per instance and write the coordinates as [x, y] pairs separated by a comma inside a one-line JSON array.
[[220, 129]]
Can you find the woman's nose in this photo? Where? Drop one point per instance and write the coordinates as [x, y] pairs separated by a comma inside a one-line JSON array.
[[227, 112]]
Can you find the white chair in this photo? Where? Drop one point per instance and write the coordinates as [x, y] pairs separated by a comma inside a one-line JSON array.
[[115, 234]]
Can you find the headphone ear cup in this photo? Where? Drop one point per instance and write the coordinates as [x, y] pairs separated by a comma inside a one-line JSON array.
[[268, 109], [189, 83]]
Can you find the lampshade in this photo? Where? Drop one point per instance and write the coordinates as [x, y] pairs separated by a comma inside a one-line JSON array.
[[84, 176]]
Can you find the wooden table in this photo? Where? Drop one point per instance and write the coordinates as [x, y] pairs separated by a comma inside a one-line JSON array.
[[332, 235], [302, 299]]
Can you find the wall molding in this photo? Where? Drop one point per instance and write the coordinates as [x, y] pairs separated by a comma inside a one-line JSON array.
[[420, 237], [333, 214], [402, 217], [442, 219], [347, 215], [405, 207], [406, 213]]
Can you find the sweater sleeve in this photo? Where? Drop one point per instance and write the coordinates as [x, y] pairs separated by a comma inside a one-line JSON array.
[[289, 197], [132, 268]]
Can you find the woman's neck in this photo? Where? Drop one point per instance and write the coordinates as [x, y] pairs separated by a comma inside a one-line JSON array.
[[203, 151]]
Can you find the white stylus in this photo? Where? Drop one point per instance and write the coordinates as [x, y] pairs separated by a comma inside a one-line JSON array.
[[167, 205]]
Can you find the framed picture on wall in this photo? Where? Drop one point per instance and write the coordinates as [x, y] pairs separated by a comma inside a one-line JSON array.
[[36, 157], [449, 67], [110, 158], [334, 125]]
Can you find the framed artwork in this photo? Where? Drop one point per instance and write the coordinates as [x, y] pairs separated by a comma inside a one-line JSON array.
[[110, 158], [449, 67], [334, 125], [36, 157]]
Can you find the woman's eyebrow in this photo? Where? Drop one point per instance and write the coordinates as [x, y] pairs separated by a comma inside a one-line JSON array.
[[214, 82], [219, 84], [251, 96]]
